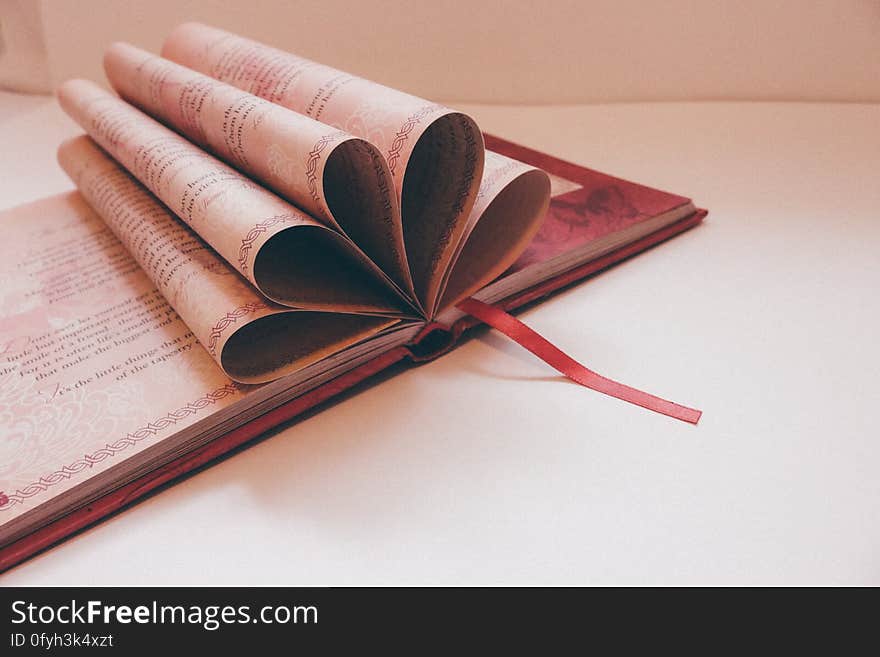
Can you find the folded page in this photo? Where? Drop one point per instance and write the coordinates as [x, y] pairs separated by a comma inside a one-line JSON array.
[[510, 208], [289, 256], [435, 154], [332, 175], [251, 338]]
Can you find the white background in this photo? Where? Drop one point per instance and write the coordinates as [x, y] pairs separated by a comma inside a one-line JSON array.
[[498, 51]]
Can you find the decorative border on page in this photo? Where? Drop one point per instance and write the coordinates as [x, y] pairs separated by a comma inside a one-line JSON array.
[[7, 501], [403, 134], [312, 164], [229, 319], [248, 242], [470, 171], [462, 193]]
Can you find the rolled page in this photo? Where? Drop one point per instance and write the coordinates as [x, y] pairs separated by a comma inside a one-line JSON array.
[[290, 257], [510, 208], [332, 175], [252, 339], [434, 153]]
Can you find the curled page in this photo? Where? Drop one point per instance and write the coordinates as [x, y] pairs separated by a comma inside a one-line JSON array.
[[510, 207], [289, 256], [435, 154], [335, 177], [252, 339]]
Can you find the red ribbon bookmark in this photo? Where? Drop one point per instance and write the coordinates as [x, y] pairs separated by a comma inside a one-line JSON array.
[[565, 364]]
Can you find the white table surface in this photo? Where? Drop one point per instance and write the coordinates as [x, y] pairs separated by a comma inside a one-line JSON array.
[[484, 467]]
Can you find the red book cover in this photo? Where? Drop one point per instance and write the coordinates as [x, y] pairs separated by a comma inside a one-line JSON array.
[[587, 206]]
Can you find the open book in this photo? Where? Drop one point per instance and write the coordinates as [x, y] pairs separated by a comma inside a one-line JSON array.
[[253, 233]]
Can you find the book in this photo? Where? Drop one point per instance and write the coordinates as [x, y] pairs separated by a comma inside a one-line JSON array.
[[253, 233]]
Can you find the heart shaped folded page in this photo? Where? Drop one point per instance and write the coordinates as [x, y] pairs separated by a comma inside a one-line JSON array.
[[435, 154], [337, 178], [290, 257]]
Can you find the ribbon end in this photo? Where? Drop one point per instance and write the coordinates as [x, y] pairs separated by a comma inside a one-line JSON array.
[[566, 365], [692, 416]]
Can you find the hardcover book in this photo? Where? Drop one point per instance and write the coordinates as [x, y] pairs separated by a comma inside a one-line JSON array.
[[253, 233]]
